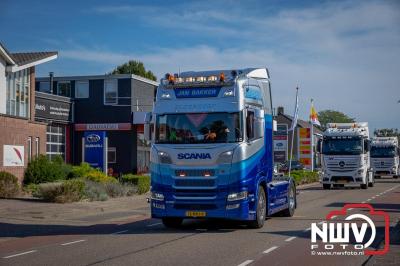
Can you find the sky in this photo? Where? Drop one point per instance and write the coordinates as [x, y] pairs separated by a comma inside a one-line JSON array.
[[343, 54]]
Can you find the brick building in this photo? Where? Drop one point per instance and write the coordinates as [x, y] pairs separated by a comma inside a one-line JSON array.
[[21, 137]]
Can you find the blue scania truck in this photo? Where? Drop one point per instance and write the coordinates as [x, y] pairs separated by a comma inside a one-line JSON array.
[[211, 154]]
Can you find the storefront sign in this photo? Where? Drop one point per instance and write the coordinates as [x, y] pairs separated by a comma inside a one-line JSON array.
[[103, 126], [304, 144], [95, 149], [281, 143], [52, 109], [13, 155]]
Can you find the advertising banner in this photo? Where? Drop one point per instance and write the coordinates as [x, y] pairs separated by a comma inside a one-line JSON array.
[[280, 143], [304, 144], [95, 149], [13, 155], [52, 109]]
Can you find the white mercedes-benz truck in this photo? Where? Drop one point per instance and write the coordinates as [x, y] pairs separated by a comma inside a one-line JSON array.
[[385, 156], [345, 155]]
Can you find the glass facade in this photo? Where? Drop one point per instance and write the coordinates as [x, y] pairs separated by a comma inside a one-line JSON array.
[[18, 93], [55, 145]]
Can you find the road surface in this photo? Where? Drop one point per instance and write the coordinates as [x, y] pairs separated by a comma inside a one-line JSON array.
[[282, 241]]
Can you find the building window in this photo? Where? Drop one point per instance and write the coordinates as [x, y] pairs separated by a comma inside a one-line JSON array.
[[64, 88], [37, 140], [29, 149], [55, 143], [112, 155], [82, 89], [44, 86], [110, 91], [17, 93]]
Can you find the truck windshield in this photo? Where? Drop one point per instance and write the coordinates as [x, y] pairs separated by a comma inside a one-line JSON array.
[[342, 146], [383, 152], [199, 128]]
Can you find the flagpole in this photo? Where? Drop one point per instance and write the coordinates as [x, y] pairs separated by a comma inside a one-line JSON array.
[[312, 139], [293, 132]]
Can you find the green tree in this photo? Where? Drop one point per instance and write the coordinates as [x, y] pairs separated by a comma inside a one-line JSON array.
[[134, 67], [387, 132], [332, 116]]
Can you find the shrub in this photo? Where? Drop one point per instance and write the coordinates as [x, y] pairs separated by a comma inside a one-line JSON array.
[[81, 171], [42, 170], [95, 191], [119, 190], [143, 184], [8, 185], [141, 181], [304, 176], [98, 176], [61, 192]]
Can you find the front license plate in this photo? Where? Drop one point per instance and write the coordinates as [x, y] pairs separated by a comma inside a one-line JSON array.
[[342, 181], [195, 214]]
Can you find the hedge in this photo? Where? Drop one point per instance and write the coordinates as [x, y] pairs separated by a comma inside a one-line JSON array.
[[141, 181], [305, 176], [8, 185]]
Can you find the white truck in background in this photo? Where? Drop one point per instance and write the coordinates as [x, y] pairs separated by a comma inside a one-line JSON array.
[[385, 156], [345, 155]]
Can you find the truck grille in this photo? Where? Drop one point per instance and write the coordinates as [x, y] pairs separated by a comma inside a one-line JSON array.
[[380, 165], [195, 183]]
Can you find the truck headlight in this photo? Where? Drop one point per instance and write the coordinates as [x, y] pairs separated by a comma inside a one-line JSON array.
[[237, 196], [164, 157], [225, 157], [157, 196]]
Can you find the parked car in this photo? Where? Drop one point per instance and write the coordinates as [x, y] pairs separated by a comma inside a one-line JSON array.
[[296, 165]]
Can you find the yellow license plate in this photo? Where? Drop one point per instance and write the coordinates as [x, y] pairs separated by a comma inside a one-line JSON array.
[[342, 181], [195, 214]]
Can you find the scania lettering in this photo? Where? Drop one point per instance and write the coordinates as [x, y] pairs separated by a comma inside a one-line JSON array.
[[385, 156], [345, 155], [211, 153]]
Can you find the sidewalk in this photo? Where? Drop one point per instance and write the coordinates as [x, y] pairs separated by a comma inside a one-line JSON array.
[[115, 210]]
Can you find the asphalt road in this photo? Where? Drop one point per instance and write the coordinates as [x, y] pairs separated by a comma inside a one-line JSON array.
[[282, 241]]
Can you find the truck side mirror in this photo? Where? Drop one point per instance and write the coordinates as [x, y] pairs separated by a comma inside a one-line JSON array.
[[147, 124], [319, 143]]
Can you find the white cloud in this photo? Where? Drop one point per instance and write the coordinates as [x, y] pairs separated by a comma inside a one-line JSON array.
[[344, 55]]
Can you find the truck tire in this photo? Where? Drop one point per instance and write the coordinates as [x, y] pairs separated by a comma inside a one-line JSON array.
[[396, 176], [289, 212], [261, 210], [326, 186], [172, 222]]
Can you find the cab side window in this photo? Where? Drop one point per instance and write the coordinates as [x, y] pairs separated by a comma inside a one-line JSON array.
[[250, 125]]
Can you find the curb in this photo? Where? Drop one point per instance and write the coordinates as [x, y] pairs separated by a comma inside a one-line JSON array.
[[307, 185]]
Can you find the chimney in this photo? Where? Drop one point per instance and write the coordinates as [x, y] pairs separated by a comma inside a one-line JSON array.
[[51, 80], [281, 110]]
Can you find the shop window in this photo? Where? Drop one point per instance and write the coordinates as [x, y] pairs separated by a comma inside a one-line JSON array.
[[55, 141], [82, 89], [44, 86], [64, 88], [112, 155], [110, 91]]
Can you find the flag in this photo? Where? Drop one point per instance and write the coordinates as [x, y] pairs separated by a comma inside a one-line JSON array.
[[313, 115], [296, 112]]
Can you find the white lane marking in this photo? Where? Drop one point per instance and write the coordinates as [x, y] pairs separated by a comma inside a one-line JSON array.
[[246, 262], [363, 202], [373, 197], [150, 225], [368, 199], [270, 249], [120, 232], [73, 242], [290, 239], [306, 230], [20, 254], [377, 195]]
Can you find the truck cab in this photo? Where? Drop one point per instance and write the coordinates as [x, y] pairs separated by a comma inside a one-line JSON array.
[[345, 155], [385, 156], [211, 154]]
